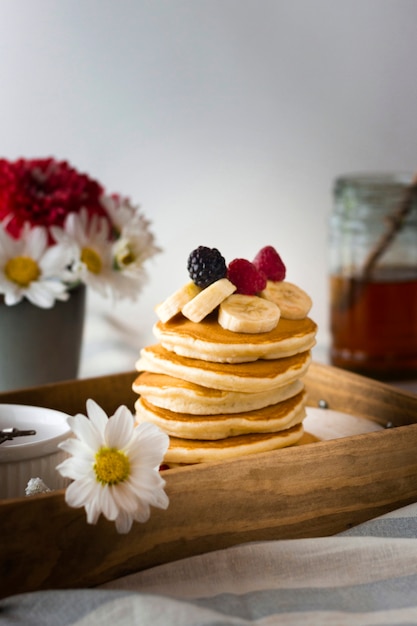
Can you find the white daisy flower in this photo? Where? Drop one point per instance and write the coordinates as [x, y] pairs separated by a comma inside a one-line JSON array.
[[89, 239], [114, 466], [30, 269], [120, 211], [135, 243]]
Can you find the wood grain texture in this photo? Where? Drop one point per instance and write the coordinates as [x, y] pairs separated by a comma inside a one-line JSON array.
[[358, 395], [70, 396], [310, 490]]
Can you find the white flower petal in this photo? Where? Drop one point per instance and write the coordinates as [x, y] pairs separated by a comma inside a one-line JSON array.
[[76, 468], [8, 244], [119, 429], [146, 478], [74, 228], [85, 430], [73, 446], [93, 511], [124, 498], [107, 503], [152, 434], [80, 492], [55, 260], [143, 512], [159, 499], [97, 416], [124, 522], [39, 294], [149, 445], [142, 456], [154, 497], [12, 297], [36, 242], [56, 289]]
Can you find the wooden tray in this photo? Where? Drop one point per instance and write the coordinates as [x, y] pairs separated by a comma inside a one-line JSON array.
[[310, 490]]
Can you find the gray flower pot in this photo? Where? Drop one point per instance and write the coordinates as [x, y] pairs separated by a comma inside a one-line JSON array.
[[40, 346]]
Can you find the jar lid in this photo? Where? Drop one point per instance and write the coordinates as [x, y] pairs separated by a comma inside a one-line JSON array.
[[50, 428], [373, 181], [361, 194]]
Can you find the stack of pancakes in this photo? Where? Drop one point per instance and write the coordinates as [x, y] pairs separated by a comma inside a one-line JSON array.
[[220, 394]]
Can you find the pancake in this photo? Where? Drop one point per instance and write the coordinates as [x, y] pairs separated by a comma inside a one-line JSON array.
[[274, 418], [181, 396], [189, 451], [229, 383], [209, 341], [249, 377]]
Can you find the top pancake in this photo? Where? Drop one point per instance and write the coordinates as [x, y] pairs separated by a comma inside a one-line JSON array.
[[208, 341]]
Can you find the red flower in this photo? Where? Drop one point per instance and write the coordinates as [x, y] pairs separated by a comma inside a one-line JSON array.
[[43, 191]]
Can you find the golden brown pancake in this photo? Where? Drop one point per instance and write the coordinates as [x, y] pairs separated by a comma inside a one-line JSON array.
[[248, 377], [209, 341], [181, 396], [273, 418], [189, 451], [221, 394]]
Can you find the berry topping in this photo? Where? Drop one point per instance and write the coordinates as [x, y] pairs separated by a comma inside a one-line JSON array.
[[205, 266], [247, 279], [269, 262]]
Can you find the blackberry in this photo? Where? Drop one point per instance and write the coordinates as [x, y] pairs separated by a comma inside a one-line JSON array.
[[205, 266]]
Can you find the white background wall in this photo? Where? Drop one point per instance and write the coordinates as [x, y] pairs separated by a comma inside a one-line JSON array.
[[227, 120]]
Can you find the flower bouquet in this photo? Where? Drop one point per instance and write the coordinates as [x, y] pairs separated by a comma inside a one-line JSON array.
[[60, 233], [59, 228]]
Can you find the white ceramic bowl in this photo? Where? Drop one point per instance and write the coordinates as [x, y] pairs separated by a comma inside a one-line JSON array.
[[31, 456]]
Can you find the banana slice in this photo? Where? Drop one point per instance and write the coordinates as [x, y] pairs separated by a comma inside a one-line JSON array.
[[248, 314], [175, 302], [293, 301], [206, 301]]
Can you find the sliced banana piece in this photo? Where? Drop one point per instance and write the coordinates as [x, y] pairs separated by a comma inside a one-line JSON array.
[[208, 299], [175, 302], [293, 301], [248, 314]]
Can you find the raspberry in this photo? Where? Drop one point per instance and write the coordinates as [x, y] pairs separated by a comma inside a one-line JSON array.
[[269, 262], [247, 279], [205, 266]]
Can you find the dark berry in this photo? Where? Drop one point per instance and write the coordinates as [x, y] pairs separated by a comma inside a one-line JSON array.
[[270, 263], [247, 279], [205, 266]]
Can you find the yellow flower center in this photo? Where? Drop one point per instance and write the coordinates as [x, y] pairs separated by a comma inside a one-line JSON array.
[[22, 270], [112, 466], [126, 257], [92, 260], [124, 253]]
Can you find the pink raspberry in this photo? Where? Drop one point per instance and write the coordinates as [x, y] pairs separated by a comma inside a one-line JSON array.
[[270, 263], [247, 279]]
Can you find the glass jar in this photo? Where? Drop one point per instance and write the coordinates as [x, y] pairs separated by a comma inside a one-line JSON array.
[[373, 275]]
